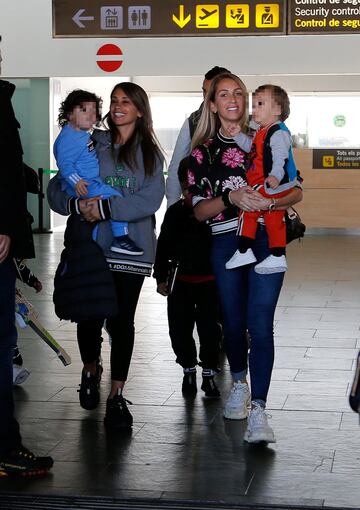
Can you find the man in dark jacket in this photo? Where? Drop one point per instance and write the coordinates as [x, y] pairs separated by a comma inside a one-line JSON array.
[[15, 241]]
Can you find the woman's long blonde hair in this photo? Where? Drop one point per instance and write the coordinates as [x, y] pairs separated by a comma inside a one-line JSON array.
[[209, 122]]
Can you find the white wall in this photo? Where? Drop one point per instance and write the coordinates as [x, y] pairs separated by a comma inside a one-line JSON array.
[[306, 63]]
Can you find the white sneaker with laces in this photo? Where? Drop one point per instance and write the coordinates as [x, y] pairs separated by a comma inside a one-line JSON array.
[[236, 407], [271, 265], [20, 374], [258, 429], [241, 259]]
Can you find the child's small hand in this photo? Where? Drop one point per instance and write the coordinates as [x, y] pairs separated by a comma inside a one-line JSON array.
[[162, 289], [272, 182], [232, 130], [38, 286], [81, 188]]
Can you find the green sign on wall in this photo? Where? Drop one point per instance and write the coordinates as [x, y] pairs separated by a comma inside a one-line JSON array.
[[339, 120]]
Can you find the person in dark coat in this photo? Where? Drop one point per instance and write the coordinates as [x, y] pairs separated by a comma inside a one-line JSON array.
[[15, 241], [193, 300]]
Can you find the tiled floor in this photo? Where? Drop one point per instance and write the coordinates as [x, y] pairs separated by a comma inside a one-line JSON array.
[[184, 449]]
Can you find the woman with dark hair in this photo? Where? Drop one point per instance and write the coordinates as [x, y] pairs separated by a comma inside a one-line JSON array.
[[217, 182], [131, 162]]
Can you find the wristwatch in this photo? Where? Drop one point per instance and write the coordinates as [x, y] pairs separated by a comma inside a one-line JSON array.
[[272, 204]]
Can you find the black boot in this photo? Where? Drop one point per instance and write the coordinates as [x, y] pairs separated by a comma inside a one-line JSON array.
[[117, 414], [89, 394], [208, 384], [189, 382]]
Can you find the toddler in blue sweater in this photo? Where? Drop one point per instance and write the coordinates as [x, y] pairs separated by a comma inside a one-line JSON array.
[[77, 161]]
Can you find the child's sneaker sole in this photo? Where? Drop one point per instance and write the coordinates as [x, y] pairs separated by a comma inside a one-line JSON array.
[[272, 265], [126, 252], [241, 259]]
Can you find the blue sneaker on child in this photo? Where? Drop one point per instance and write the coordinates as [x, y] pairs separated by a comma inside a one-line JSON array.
[[123, 244]]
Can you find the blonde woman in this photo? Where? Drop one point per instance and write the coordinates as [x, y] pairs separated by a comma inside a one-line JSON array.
[[217, 180]]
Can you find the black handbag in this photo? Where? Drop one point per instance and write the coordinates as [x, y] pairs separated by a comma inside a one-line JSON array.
[[295, 228]]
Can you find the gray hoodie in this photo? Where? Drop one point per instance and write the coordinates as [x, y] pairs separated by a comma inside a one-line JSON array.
[[142, 197]]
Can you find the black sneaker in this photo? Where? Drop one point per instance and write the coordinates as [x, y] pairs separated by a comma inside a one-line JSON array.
[[189, 383], [22, 462], [89, 394], [123, 244], [210, 388], [117, 414]]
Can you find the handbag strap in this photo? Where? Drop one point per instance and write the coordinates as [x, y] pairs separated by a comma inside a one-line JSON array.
[[291, 213]]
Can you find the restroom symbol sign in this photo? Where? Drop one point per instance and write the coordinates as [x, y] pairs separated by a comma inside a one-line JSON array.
[[267, 16], [139, 17], [111, 17]]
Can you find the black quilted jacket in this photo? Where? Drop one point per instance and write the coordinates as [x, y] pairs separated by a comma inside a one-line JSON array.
[[84, 286]]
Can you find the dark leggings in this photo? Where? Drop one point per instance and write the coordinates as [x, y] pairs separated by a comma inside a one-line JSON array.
[[120, 328]]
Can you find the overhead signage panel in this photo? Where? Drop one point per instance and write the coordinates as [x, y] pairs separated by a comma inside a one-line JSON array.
[[336, 159], [167, 18], [324, 16]]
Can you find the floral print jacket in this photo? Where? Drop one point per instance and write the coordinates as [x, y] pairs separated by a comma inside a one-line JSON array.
[[215, 166]]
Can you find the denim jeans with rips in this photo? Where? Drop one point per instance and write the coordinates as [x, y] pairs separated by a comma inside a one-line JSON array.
[[248, 302]]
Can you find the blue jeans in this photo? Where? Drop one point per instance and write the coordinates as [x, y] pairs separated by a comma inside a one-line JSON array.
[[9, 428], [248, 301]]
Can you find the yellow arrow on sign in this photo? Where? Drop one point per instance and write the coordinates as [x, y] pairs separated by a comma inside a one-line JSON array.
[[181, 21]]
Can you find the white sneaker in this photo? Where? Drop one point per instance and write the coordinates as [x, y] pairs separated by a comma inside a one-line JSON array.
[[272, 265], [241, 259], [20, 374], [236, 407], [258, 429]]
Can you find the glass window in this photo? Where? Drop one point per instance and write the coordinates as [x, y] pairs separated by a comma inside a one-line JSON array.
[[169, 112], [31, 107], [325, 121]]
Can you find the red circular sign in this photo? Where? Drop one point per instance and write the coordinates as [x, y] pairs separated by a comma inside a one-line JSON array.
[[113, 62]]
